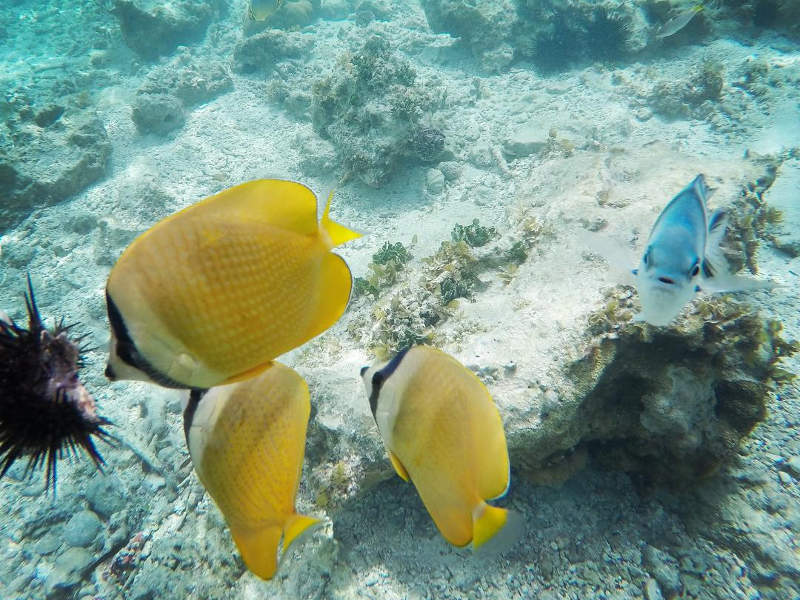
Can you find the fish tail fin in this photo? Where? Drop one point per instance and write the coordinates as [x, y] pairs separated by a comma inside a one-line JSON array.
[[295, 526], [500, 525], [714, 261], [259, 549], [701, 188], [339, 234]]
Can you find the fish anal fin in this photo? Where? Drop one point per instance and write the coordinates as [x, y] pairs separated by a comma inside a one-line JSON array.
[[249, 374], [334, 293], [487, 521], [295, 526], [337, 233], [259, 548], [398, 467]]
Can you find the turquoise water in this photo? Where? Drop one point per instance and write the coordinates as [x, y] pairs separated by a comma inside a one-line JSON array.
[[646, 461]]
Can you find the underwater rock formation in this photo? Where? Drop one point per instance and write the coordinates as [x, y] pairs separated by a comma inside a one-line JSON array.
[[192, 81], [157, 113], [51, 154], [261, 52], [665, 404], [485, 26], [159, 107], [372, 109], [154, 29]]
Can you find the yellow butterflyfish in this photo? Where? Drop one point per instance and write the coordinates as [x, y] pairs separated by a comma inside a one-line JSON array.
[[246, 441], [213, 293], [443, 433], [261, 10]]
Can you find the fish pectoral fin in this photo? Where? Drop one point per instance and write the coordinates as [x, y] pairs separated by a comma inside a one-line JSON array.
[[249, 374], [487, 521], [259, 548], [398, 467], [295, 526]]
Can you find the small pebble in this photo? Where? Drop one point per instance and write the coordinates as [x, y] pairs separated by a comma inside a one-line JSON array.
[[793, 466], [82, 529], [434, 181], [785, 478]]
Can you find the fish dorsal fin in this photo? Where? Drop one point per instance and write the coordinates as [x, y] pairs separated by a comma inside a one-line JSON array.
[[284, 204], [398, 466], [339, 234]]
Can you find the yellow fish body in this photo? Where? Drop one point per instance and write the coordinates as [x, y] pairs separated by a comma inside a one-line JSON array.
[[443, 432], [261, 10], [213, 293], [247, 441]]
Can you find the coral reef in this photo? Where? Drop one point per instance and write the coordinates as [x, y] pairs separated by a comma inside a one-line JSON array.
[[554, 34], [694, 97], [780, 15], [752, 220], [665, 404], [47, 154], [371, 107], [410, 304]]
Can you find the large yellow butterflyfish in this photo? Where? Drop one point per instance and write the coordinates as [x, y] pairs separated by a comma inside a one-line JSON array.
[[443, 432], [215, 292], [247, 441]]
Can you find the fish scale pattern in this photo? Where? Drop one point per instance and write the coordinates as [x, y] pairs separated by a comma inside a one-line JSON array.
[[252, 466]]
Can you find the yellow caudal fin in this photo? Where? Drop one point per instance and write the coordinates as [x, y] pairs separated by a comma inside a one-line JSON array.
[[495, 530], [398, 466], [334, 294], [338, 234], [259, 549], [295, 526]]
